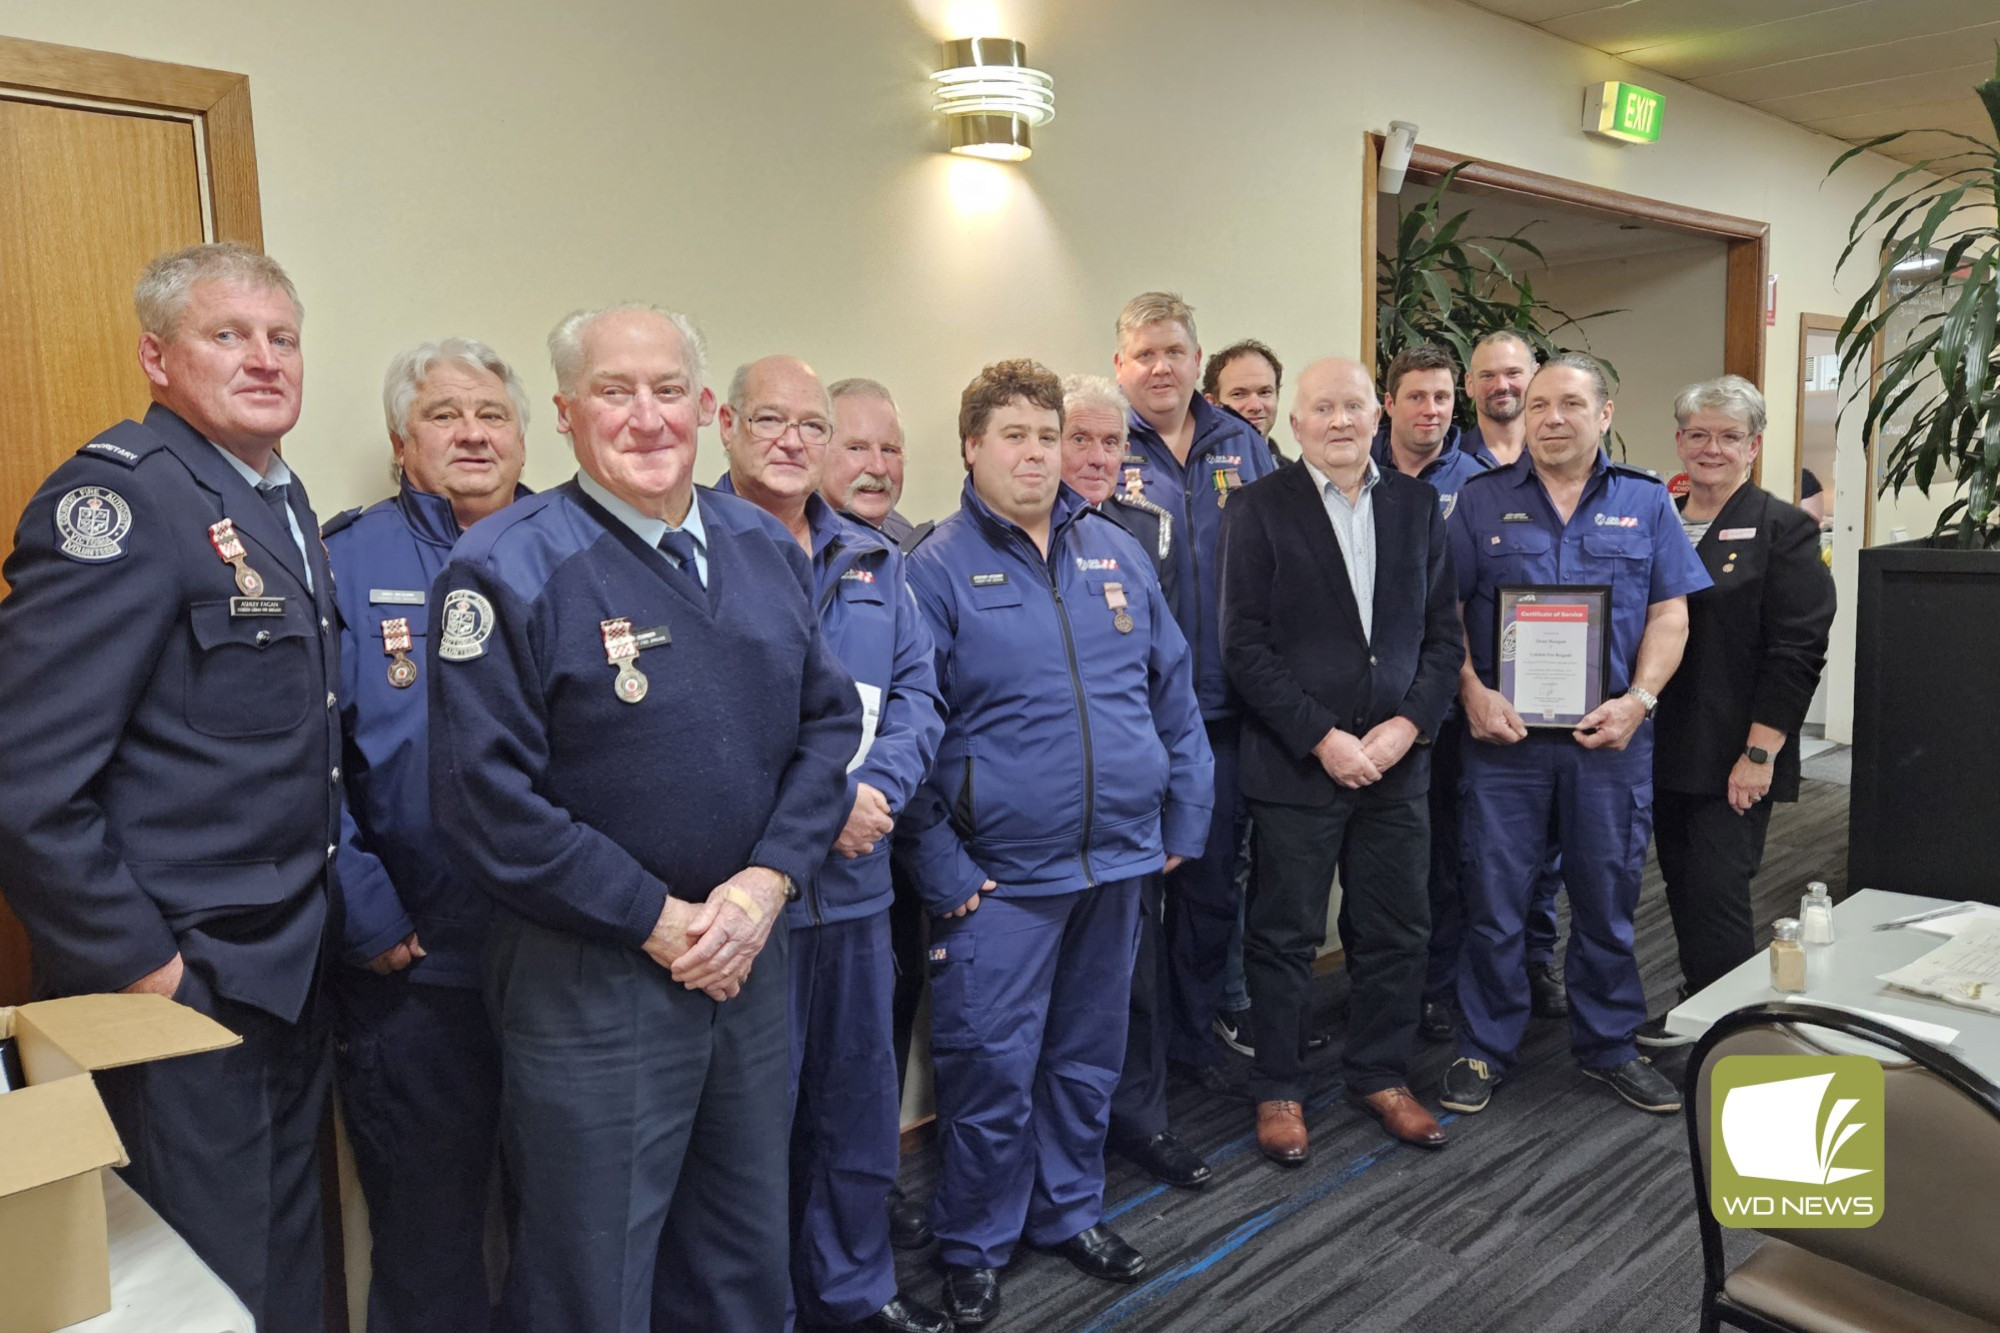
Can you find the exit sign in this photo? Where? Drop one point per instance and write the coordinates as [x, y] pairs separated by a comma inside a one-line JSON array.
[[1623, 111]]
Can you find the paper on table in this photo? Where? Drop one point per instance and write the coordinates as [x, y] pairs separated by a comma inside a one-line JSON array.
[[1964, 970], [1949, 926], [1937, 1034]]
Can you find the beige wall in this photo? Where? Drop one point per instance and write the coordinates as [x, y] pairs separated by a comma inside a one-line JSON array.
[[1667, 336]]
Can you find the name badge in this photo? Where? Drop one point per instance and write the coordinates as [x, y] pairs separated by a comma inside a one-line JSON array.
[[395, 596], [988, 580], [1517, 518], [256, 606], [621, 649], [1736, 534], [657, 637]]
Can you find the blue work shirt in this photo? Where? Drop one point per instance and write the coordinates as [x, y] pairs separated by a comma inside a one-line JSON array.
[[1073, 753], [871, 621], [394, 876], [1447, 472], [1227, 454], [1625, 533]]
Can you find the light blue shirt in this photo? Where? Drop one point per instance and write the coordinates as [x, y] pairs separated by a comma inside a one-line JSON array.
[[279, 475], [1354, 528], [650, 529]]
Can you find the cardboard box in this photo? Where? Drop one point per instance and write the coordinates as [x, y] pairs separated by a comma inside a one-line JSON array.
[[55, 1137]]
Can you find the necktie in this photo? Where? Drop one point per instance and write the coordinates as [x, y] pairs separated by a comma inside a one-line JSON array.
[[277, 497], [680, 545]]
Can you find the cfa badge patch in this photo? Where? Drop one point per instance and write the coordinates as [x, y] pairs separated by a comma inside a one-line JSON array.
[[92, 522], [468, 620]]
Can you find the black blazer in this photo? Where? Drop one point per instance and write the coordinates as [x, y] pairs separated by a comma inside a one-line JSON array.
[[1292, 640], [1756, 646]]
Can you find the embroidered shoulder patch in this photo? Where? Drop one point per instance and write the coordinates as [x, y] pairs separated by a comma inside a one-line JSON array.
[[468, 621], [92, 523]]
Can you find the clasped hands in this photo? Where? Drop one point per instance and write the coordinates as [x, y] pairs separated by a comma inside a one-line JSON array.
[[1359, 761], [709, 946]]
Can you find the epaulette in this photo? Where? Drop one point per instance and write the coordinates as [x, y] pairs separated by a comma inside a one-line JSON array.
[[345, 518], [1634, 470], [1145, 506], [1486, 474], [125, 443], [917, 535]]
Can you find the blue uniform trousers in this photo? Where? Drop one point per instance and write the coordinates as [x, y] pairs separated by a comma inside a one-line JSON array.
[[1447, 896], [845, 1131], [639, 1123], [225, 1147], [1139, 1103], [1603, 806], [418, 1075], [1204, 899], [1028, 1014]]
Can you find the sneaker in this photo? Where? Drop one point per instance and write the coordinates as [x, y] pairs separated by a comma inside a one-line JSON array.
[[1640, 1084], [1232, 1026], [1655, 1032], [1468, 1086]]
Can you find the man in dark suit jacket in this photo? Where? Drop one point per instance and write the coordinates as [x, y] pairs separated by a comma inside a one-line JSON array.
[[1340, 634]]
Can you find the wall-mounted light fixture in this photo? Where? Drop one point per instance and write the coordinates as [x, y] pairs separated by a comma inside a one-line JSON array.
[[1397, 145], [991, 99]]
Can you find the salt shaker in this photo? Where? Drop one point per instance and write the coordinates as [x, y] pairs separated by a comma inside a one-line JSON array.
[[1788, 957], [1816, 914]]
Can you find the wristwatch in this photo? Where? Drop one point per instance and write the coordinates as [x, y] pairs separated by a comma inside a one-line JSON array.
[[791, 887], [1647, 699], [1756, 754]]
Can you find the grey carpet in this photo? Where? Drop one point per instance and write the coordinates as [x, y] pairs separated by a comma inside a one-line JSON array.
[[1557, 1208]]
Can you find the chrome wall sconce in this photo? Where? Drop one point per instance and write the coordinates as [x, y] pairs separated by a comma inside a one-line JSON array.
[[991, 99]]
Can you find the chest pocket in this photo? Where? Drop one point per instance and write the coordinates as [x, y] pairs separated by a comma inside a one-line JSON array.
[[250, 675], [1520, 553], [1099, 608], [1623, 558], [857, 590], [994, 596]]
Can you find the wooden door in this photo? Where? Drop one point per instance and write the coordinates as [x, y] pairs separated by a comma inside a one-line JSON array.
[[105, 161]]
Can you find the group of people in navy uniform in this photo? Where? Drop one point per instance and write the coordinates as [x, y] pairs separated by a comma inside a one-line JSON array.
[[589, 843]]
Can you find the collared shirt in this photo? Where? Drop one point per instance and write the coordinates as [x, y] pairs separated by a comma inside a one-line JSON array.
[[279, 475], [1354, 528], [651, 529]]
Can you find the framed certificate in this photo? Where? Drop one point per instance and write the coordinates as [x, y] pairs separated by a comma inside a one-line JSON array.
[[1553, 658]]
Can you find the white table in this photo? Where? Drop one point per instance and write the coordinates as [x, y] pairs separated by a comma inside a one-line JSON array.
[[1843, 974], [157, 1283]]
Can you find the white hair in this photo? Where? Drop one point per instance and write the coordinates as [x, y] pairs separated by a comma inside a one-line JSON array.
[[856, 386], [165, 287], [1731, 395], [566, 341], [1094, 391], [407, 373]]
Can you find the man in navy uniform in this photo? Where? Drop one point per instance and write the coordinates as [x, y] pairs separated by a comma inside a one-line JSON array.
[[419, 1073], [1419, 439], [639, 740], [1190, 456], [1094, 444], [1073, 765], [776, 426], [170, 780], [1564, 513]]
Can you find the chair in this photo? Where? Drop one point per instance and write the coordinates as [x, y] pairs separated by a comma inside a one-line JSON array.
[[1932, 1263]]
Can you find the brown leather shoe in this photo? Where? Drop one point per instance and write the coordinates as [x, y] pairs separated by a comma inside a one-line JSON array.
[[1281, 1132], [1403, 1116]]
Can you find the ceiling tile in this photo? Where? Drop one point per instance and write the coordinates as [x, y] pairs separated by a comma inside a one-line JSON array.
[[1540, 11], [1875, 94], [1791, 77], [1650, 23], [1868, 23], [1962, 114]]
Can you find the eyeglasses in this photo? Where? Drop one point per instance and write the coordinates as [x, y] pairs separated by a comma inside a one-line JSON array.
[[1729, 439], [771, 426]]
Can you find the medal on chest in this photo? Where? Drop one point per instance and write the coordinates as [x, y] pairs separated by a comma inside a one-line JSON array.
[[1114, 597], [396, 643], [621, 649], [1226, 479], [229, 547]]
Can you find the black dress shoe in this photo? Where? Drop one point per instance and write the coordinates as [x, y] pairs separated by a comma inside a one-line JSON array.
[[1546, 995], [909, 1229], [1217, 1079], [1166, 1159], [903, 1315], [1102, 1252], [971, 1295], [1437, 1022]]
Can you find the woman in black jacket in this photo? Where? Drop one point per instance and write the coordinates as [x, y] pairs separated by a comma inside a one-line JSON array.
[[1727, 739]]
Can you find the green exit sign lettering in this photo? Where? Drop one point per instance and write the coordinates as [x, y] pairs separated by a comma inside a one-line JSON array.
[[1623, 111]]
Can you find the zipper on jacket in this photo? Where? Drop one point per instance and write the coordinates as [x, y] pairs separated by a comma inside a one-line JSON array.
[[1082, 715]]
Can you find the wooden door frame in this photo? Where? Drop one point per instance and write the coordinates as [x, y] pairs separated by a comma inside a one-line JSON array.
[[219, 100], [1748, 241]]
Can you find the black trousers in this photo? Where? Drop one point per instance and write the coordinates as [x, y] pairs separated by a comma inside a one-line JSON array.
[[1708, 856], [225, 1147], [1381, 849], [1139, 1102]]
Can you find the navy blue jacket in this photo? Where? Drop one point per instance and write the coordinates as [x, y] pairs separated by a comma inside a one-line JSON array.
[[1073, 753], [1292, 629], [394, 876], [583, 812], [1227, 453], [871, 621], [1446, 473], [168, 775]]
